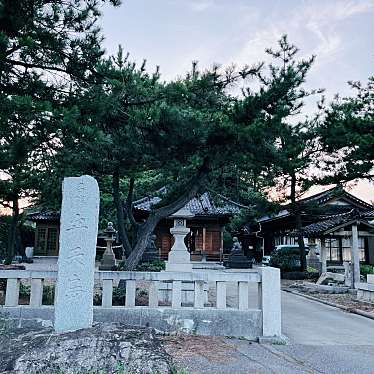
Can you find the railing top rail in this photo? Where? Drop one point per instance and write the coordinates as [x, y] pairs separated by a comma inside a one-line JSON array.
[[26, 274], [180, 276], [215, 276]]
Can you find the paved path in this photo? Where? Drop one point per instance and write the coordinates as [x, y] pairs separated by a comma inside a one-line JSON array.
[[308, 322], [323, 339]]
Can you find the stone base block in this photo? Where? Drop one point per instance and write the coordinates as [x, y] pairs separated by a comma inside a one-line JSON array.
[[278, 340], [179, 267], [238, 261]]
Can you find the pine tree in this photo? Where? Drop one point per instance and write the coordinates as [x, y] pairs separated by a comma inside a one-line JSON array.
[[47, 48], [347, 135]]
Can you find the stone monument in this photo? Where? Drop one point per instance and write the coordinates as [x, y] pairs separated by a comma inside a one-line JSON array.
[[151, 252], [179, 257], [236, 259], [76, 262]]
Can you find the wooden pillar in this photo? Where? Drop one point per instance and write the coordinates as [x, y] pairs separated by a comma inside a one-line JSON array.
[[204, 239], [355, 255], [323, 255]]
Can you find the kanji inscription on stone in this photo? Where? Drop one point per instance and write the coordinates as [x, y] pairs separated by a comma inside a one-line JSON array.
[[76, 261]]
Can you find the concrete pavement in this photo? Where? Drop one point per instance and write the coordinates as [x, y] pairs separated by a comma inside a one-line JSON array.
[[323, 339], [308, 322]]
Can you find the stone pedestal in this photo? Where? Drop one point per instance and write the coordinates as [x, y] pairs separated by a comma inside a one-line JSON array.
[[237, 260], [179, 257], [108, 261]]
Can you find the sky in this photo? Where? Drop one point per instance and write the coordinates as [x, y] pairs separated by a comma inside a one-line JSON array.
[[173, 33]]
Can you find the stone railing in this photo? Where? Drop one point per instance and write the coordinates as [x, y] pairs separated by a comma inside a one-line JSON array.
[[214, 318], [365, 291]]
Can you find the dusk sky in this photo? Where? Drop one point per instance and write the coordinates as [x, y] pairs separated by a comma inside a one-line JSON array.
[[172, 33]]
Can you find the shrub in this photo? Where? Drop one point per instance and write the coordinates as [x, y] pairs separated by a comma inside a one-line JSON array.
[[121, 265], [286, 259], [2, 284], [157, 265], [366, 269], [311, 269], [294, 275], [24, 291], [119, 294], [48, 295]]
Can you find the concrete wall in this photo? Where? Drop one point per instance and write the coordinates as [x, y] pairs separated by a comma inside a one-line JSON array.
[[228, 322]]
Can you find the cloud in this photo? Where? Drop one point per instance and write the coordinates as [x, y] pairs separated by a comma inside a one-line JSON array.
[[308, 25], [201, 5]]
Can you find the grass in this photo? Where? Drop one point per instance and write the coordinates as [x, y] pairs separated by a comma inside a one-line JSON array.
[[180, 371]]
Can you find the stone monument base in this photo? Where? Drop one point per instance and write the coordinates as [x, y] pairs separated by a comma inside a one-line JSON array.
[[237, 260], [179, 267]]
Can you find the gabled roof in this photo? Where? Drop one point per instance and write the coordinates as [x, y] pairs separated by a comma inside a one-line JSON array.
[[203, 205], [320, 199], [336, 222], [337, 191]]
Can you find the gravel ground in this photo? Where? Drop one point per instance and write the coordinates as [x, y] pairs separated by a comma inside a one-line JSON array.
[[347, 300]]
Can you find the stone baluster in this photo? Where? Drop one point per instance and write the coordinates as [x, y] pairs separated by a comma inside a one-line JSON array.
[[243, 295], [107, 296], [130, 293], [36, 295], [12, 292], [199, 294], [221, 295], [176, 298], [153, 294]]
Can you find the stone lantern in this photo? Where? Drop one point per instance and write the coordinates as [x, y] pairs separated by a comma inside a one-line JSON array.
[[108, 262], [179, 257]]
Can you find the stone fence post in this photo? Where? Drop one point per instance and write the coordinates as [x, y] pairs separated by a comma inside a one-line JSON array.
[[270, 301]]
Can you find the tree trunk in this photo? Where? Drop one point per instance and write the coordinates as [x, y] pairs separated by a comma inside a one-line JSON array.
[[144, 232], [296, 209], [300, 241], [13, 231], [146, 229], [120, 215]]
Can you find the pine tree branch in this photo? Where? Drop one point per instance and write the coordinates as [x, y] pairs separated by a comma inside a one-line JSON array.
[[196, 183]]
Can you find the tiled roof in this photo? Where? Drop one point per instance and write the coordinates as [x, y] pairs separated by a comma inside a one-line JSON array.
[[335, 221], [369, 214], [204, 205], [321, 198], [44, 215]]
